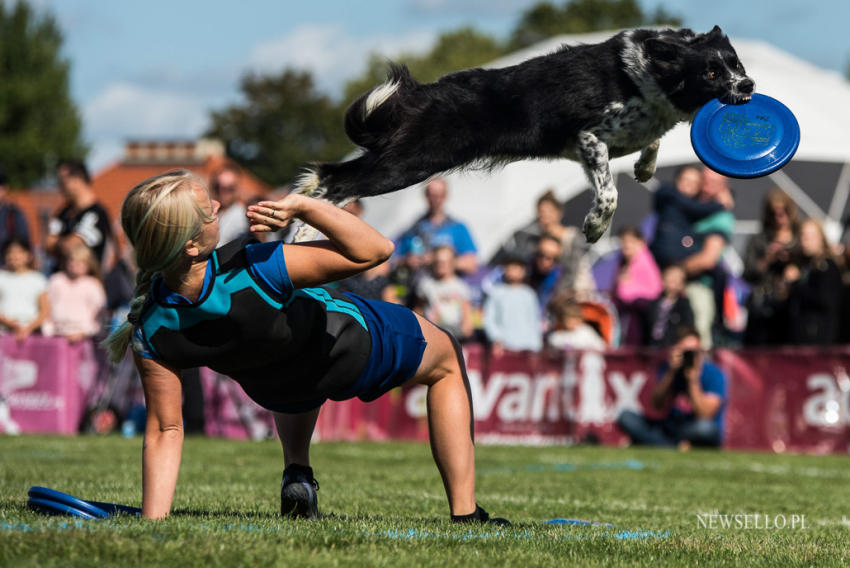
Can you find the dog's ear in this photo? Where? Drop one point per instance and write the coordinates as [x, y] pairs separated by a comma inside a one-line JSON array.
[[715, 33], [663, 50]]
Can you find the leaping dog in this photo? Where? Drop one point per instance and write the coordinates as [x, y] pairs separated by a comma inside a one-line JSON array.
[[587, 103]]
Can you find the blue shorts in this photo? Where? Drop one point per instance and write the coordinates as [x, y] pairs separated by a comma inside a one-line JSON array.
[[397, 348]]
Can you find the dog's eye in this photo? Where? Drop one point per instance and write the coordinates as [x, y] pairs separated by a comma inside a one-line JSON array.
[[711, 75]]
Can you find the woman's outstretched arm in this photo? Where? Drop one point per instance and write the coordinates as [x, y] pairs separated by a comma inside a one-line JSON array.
[[163, 443]]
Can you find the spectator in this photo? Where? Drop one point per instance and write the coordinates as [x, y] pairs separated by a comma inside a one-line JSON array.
[[677, 209], [575, 275], [814, 290], [670, 310], [23, 298], [638, 283], [571, 331], [224, 186], [545, 271], [706, 274], [767, 255], [76, 296], [13, 224], [444, 298], [82, 220], [437, 228], [407, 272], [511, 313], [692, 391]]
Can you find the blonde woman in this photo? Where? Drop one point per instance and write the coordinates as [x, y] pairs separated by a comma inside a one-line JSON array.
[[253, 312]]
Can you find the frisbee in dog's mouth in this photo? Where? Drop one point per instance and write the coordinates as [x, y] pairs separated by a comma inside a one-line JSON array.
[[751, 139]]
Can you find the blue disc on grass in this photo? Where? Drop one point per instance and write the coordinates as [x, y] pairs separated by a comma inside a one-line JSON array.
[[748, 140], [55, 502], [48, 507]]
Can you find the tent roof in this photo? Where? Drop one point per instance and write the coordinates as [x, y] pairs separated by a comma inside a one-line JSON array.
[[494, 204]]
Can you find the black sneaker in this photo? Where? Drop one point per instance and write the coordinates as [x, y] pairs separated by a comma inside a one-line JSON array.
[[298, 498], [480, 516]]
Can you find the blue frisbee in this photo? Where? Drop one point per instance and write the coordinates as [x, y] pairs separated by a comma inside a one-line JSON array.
[[748, 140], [52, 502], [48, 507]]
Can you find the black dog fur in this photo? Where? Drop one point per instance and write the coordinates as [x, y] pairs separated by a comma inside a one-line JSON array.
[[587, 103]]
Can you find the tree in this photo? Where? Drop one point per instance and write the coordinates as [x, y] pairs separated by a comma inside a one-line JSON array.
[[545, 19], [39, 123], [282, 125]]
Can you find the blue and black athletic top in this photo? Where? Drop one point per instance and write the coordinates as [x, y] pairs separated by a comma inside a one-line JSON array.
[[283, 345]]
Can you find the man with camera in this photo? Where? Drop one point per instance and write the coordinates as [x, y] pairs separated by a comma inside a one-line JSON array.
[[692, 391]]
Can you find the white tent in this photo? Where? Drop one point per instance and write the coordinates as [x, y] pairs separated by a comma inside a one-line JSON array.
[[493, 204]]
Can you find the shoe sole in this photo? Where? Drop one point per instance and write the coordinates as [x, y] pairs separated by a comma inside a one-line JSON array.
[[297, 501]]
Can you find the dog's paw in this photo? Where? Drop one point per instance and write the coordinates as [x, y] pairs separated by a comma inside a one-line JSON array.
[[595, 225], [644, 173]]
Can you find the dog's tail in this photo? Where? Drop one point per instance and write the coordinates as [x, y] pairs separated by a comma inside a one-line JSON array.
[[378, 111]]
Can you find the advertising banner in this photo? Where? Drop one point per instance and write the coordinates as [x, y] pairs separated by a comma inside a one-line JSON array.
[[43, 383]]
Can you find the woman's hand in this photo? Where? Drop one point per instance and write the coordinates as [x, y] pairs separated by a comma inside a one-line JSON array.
[[267, 216]]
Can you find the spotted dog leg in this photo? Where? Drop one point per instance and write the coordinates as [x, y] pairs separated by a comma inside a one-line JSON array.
[[594, 158], [645, 165]]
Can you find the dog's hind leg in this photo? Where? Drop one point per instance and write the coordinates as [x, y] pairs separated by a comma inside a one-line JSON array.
[[645, 165], [594, 158]]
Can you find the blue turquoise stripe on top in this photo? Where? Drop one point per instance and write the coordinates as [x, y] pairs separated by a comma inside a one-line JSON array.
[[331, 304]]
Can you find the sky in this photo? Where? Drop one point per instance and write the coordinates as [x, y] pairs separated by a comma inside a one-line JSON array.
[[155, 69]]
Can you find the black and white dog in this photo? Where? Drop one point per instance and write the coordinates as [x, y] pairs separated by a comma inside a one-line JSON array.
[[587, 103]]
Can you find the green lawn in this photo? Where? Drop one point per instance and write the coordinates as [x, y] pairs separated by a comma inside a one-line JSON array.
[[385, 507]]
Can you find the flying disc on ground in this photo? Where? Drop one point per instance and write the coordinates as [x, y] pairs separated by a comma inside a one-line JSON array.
[[748, 140], [52, 502]]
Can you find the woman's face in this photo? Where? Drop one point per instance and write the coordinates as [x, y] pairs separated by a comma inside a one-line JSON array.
[[207, 239], [630, 246], [780, 215], [548, 214], [810, 240]]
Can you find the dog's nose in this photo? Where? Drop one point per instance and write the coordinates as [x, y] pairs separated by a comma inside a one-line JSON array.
[[746, 86]]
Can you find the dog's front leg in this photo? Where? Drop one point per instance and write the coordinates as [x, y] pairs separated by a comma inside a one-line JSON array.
[[645, 165], [594, 157]]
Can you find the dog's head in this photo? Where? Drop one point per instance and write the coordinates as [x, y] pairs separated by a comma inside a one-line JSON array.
[[694, 68]]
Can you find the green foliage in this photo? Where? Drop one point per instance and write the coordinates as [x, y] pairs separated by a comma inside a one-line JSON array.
[[282, 124], [385, 506], [546, 19], [39, 122]]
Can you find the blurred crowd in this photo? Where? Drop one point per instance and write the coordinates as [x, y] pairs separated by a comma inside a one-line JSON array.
[[544, 288]]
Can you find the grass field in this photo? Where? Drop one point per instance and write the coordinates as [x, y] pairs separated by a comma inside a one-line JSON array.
[[385, 507]]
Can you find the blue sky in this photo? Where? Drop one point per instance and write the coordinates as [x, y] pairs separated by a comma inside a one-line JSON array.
[[155, 68]]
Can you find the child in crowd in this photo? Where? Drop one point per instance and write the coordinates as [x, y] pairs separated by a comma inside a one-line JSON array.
[[443, 297], [76, 296], [23, 302], [571, 331], [511, 318], [670, 310]]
